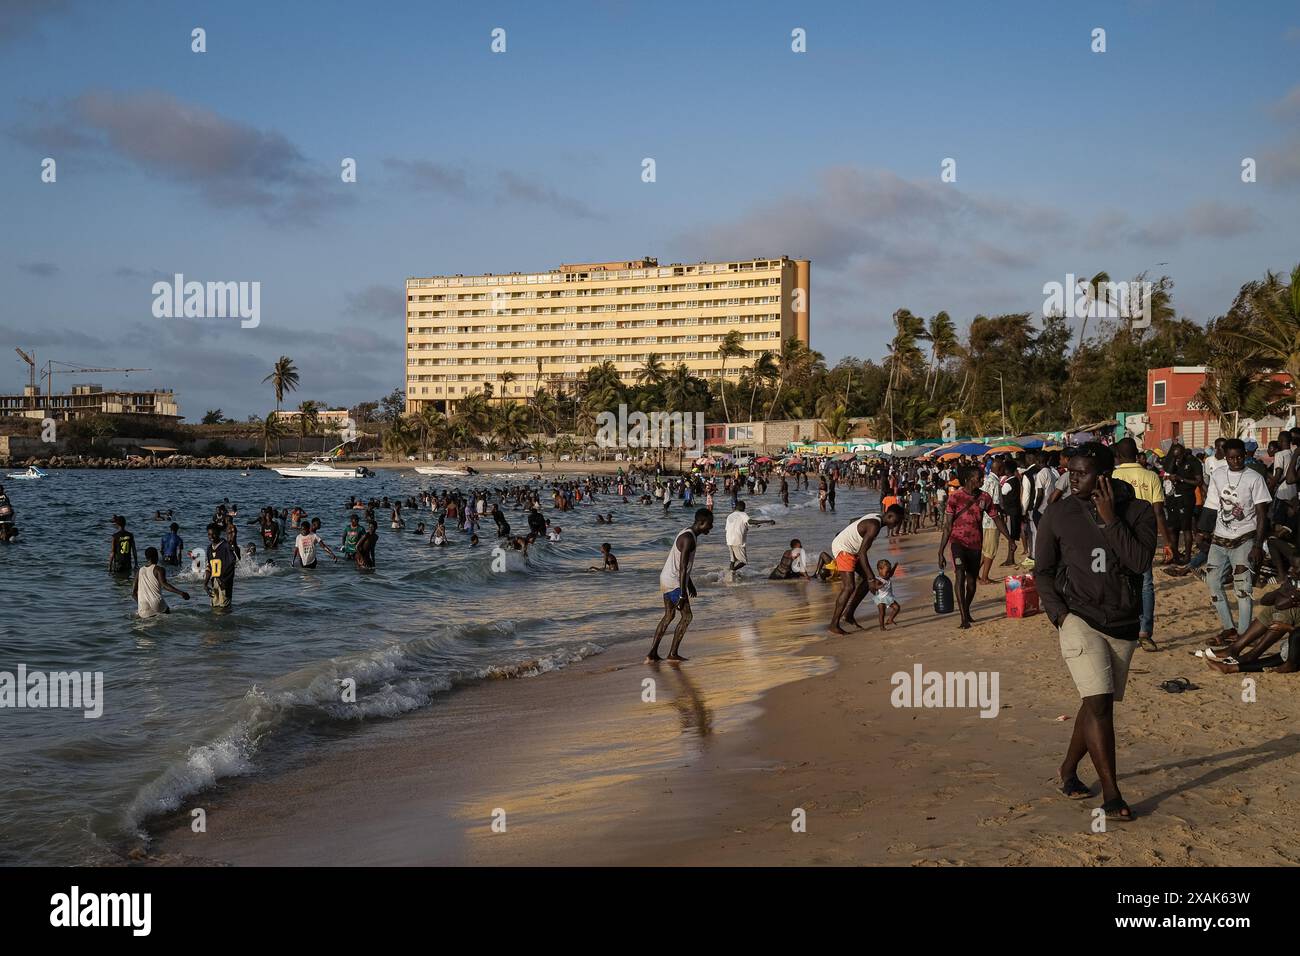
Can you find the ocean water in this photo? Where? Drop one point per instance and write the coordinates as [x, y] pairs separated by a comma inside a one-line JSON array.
[[194, 697]]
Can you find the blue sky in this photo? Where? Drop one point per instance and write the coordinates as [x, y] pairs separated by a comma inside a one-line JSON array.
[[225, 165]]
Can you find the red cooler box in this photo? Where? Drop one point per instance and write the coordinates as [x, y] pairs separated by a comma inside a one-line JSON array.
[[1022, 595]]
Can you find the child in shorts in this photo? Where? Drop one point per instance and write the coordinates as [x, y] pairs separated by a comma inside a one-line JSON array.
[[884, 596]]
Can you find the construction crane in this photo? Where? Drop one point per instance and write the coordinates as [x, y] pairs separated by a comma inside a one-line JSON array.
[[73, 368], [31, 376]]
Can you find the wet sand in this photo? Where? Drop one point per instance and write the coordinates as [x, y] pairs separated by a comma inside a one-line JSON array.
[[773, 717]]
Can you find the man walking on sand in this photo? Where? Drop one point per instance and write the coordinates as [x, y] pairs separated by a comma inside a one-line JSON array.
[[1093, 548], [677, 587]]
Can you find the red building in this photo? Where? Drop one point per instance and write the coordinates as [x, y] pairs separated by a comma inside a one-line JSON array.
[[1174, 413]]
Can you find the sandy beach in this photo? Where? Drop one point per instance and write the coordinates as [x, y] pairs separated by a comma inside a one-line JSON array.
[[775, 717]]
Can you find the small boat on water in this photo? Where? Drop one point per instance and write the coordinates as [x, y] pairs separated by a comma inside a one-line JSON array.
[[321, 468], [32, 472], [446, 472]]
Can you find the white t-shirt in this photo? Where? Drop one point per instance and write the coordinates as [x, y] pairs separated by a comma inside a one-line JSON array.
[[1281, 461], [305, 545], [993, 488], [1235, 495], [1044, 482], [799, 561], [737, 529]]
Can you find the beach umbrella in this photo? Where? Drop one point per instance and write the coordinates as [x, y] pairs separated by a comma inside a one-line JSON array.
[[1004, 450], [763, 460], [967, 448], [845, 456]]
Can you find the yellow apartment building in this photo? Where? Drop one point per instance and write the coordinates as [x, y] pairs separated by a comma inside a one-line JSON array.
[[507, 334]]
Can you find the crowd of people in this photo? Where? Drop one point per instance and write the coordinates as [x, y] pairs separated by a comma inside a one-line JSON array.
[[1088, 521]]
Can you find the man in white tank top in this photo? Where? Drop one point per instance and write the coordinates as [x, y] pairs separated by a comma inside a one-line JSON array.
[[676, 586], [850, 549], [150, 582]]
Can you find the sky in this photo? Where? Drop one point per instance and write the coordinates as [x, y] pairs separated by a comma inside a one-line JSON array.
[[226, 165]]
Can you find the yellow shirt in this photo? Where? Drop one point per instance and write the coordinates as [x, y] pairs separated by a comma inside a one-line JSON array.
[[1146, 484]]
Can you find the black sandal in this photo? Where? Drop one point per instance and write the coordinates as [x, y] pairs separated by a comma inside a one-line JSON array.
[[1180, 684], [1074, 788], [1113, 808]]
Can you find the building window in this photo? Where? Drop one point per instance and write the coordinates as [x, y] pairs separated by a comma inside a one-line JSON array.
[[1158, 393]]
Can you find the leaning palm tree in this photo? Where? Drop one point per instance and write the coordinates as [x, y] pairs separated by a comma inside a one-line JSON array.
[[942, 335], [1271, 313], [764, 370], [794, 358], [733, 346], [510, 424]]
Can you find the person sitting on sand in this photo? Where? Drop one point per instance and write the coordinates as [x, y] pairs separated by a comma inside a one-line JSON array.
[[610, 562], [884, 593], [1276, 622], [150, 582]]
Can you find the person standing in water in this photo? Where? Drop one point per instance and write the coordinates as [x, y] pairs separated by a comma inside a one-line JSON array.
[[365, 553], [219, 574], [122, 558], [676, 586], [150, 582]]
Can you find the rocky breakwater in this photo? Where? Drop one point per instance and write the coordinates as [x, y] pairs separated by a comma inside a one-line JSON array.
[[221, 462]]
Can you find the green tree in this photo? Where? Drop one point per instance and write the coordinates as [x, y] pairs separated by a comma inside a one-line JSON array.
[[733, 346]]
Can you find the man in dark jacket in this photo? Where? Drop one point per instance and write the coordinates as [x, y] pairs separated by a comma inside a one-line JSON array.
[[1093, 548]]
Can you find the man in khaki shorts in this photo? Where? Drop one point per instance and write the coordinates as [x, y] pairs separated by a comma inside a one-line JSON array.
[[1092, 550]]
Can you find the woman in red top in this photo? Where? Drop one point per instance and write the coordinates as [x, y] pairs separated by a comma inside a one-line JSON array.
[[963, 525]]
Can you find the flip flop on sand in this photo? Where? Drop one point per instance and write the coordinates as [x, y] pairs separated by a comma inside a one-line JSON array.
[[1117, 809], [1177, 685], [1074, 788]]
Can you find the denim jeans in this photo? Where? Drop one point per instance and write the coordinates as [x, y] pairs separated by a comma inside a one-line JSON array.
[[1221, 566], [1148, 603], [1199, 558]]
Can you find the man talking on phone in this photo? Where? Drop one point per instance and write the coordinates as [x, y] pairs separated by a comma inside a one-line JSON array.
[[1093, 549]]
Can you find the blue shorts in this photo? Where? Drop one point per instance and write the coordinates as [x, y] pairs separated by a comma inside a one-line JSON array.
[[673, 596]]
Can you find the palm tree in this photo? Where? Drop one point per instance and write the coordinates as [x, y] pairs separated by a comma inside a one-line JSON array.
[[401, 438], [733, 346], [538, 447], [1096, 291], [283, 378], [942, 335], [764, 370], [510, 424], [795, 355], [652, 372], [678, 388], [904, 354], [433, 427], [837, 424], [270, 429], [506, 379], [1271, 312], [308, 419]]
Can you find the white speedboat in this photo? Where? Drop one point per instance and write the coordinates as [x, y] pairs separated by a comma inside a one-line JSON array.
[[446, 472], [321, 468], [31, 473]]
